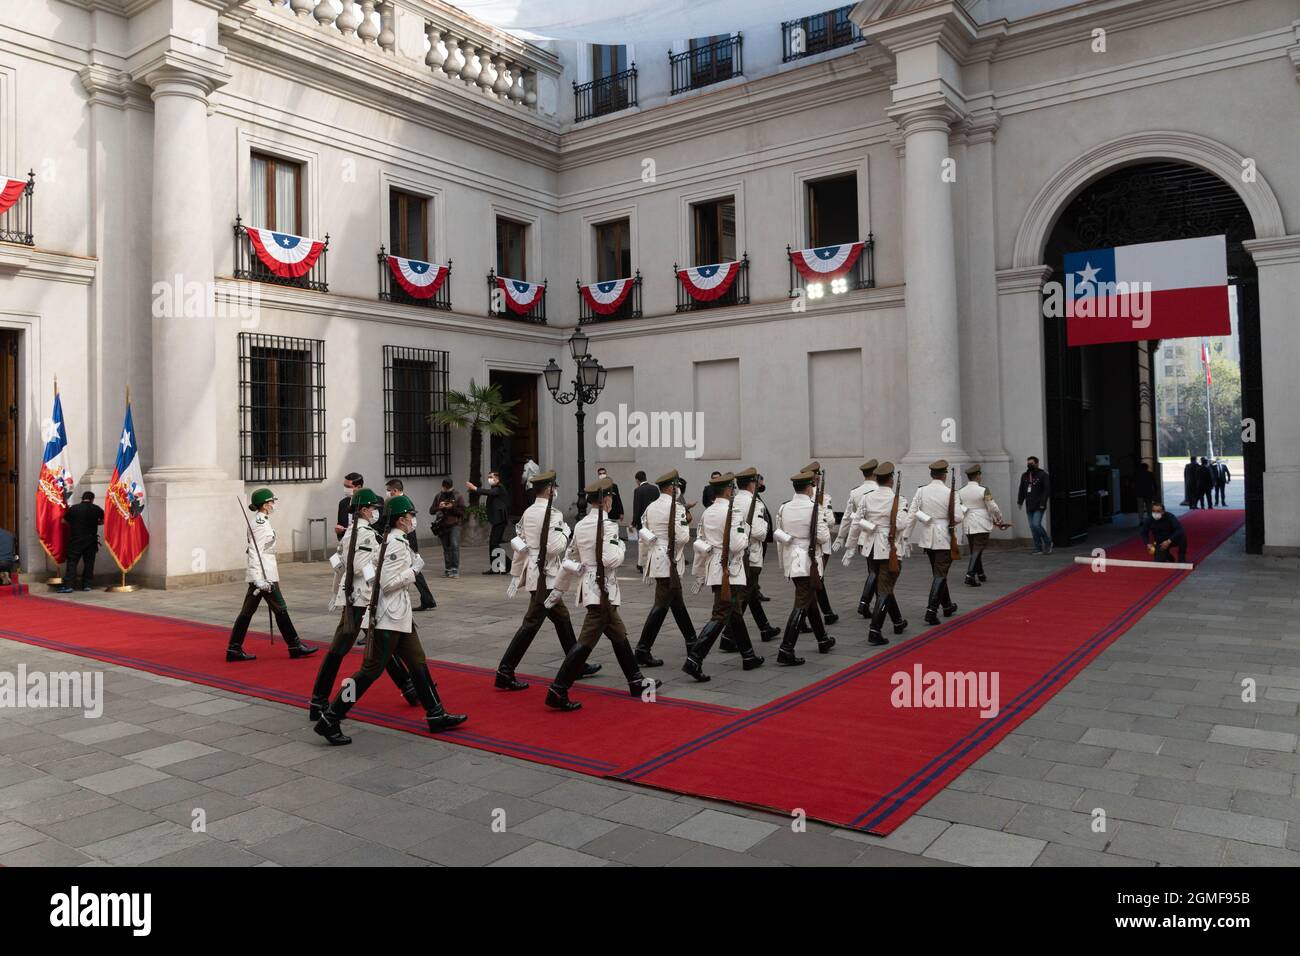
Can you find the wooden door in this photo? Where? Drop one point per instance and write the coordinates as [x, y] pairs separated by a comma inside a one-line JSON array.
[[9, 419]]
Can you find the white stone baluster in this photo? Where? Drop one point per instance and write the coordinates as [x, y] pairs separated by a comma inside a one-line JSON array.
[[436, 56], [503, 83], [472, 68], [487, 74], [367, 29], [301, 8], [518, 92], [325, 13], [530, 90], [388, 32], [455, 61], [347, 19]]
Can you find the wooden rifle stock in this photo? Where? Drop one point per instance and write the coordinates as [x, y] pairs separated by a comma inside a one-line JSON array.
[[374, 592], [953, 548], [725, 591], [814, 547], [893, 526]]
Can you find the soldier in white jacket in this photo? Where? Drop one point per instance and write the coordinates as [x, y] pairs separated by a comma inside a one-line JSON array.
[[720, 545], [263, 579], [800, 545], [392, 631], [932, 532], [981, 517], [665, 533], [354, 569], [749, 483], [595, 554], [535, 567], [878, 529], [851, 507], [828, 615]]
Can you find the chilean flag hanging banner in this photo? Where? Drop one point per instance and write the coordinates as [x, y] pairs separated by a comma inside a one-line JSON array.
[[706, 283], [419, 280], [125, 534], [286, 255], [606, 297], [54, 487], [10, 191], [1155, 290], [827, 262], [520, 295]]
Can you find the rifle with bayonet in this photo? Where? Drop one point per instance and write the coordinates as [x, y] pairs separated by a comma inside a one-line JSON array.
[[893, 524], [953, 548], [814, 572]]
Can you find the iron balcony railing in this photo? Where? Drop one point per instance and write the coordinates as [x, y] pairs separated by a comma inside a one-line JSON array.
[[391, 291], [736, 294], [609, 94], [706, 65], [16, 221], [249, 266], [629, 308], [818, 33], [861, 276], [498, 308]]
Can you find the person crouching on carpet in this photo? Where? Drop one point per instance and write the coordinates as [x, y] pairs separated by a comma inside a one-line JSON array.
[[391, 631], [263, 582], [1164, 535]]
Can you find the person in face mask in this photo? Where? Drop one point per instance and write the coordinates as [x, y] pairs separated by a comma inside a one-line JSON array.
[[498, 512], [1035, 491], [1164, 535], [394, 487]]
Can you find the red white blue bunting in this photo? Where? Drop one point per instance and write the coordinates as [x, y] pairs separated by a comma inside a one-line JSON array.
[[706, 283], [418, 279], [10, 190], [520, 296], [606, 297], [827, 262], [286, 255]]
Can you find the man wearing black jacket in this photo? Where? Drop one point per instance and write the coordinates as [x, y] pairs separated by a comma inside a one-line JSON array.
[[1035, 492], [498, 512], [83, 521], [642, 495], [352, 483], [1191, 483], [1164, 535], [1205, 484]]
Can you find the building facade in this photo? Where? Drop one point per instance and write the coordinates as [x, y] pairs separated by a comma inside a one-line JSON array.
[[953, 136]]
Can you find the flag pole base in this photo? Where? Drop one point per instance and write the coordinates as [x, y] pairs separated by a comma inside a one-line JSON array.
[[121, 588]]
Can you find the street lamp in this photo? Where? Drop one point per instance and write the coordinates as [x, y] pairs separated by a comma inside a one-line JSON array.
[[587, 385]]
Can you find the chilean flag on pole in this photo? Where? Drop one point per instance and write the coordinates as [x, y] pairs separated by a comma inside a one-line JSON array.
[[54, 487], [125, 534], [1205, 360], [1154, 290]]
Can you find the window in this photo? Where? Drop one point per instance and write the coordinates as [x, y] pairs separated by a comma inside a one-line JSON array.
[[511, 240], [415, 386], [607, 60], [275, 194], [711, 59], [1169, 370], [613, 250], [833, 210], [714, 228], [281, 408], [818, 33], [408, 225]]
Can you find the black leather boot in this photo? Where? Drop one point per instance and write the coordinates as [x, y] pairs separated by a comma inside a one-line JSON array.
[[824, 603], [727, 645], [700, 649], [793, 624], [683, 619], [868, 592], [330, 727], [971, 579], [315, 709], [874, 635], [636, 681], [932, 602], [299, 649], [979, 567], [574, 663], [236, 654], [824, 641], [409, 694], [945, 599], [740, 635], [505, 677], [435, 713], [895, 615], [569, 641], [649, 631], [765, 629]]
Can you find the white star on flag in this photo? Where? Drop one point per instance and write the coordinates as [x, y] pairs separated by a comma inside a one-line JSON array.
[[49, 431], [126, 439], [1089, 273]]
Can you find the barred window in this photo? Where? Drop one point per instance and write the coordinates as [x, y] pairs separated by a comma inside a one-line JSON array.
[[415, 386], [281, 408]]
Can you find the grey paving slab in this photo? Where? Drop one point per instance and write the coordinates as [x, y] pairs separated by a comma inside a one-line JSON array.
[[544, 854], [144, 845], [723, 830], [977, 846], [564, 827], [99, 825], [123, 778]]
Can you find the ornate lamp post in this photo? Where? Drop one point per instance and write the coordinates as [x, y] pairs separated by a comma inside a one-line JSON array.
[[587, 385]]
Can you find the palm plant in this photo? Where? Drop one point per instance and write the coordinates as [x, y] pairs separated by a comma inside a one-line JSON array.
[[480, 409]]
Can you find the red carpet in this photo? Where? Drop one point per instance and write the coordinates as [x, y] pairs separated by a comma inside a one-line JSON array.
[[838, 749]]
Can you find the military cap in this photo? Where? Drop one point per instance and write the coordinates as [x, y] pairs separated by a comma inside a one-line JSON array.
[[884, 469], [260, 497], [365, 498], [542, 478], [667, 478], [813, 466], [723, 480], [399, 505], [939, 465], [803, 478], [868, 466], [749, 474], [973, 469], [597, 486]]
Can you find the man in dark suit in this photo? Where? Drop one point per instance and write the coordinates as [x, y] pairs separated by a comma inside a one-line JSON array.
[[1205, 484], [83, 521], [1191, 471], [498, 513], [1221, 478], [707, 497], [642, 495], [352, 483]]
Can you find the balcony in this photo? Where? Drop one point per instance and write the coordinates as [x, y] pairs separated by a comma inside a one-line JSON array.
[[262, 255], [710, 287], [610, 301], [818, 33], [414, 282], [860, 275], [609, 94], [16, 209], [706, 65], [516, 299]]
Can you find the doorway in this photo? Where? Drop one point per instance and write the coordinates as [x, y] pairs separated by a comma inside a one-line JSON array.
[[509, 453], [9, 419]]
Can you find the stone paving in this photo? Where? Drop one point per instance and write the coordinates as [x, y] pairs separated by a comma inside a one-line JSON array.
[[1154, 732]]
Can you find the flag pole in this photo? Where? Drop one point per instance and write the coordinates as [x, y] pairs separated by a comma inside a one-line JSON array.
[[1209, 421], [57, 579], [123, 587]]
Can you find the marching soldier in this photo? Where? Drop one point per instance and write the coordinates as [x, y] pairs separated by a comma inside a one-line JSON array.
[[665, 532], [746, 503], [544, 537], [981, 517], [594, 556], [354, 571], [823, 599], [851, 507], [800, 543], [392, 631], [263, 582], [723, 536], [937, 516], [880, 525]]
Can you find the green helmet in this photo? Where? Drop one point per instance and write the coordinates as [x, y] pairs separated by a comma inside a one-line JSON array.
[[260, 497], [399, 505], [365, 498]]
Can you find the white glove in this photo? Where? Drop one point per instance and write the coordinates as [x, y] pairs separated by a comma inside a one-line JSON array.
[[519, 545], [848, 556], [262, 585], [514, 586], [553, 598], [336, 560], [923, 517], [573, 567], [782, 536], [417, 564], [702, 546], [836, 545], [368, 572], [868, 526], [647, 535]]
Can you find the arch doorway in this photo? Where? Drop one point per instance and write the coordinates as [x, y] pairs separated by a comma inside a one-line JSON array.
[[1100, 402]]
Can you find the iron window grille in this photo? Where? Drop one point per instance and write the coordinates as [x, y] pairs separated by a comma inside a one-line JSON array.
[[737, 294], [706, 65], [629, 309], [536, 314], [609, 94], [391, 291], [861, 276], [415, 386], [281, 408], [16, 221], [248, 266], [818, 33]]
